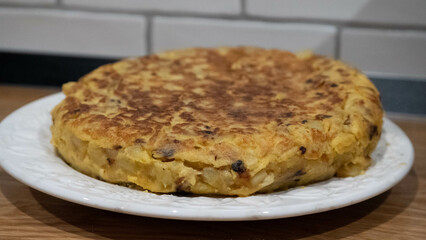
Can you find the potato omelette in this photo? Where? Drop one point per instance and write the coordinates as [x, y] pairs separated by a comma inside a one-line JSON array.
[[224, 121]]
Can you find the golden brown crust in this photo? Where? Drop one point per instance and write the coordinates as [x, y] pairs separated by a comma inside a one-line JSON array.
[[216, 107]]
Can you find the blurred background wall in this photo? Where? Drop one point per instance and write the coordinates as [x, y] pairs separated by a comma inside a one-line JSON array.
[[49, 42]]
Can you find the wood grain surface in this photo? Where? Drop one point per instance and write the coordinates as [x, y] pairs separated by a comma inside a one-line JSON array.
[[25, 213]]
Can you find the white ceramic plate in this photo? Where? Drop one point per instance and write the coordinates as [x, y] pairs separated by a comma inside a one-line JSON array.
[[27, 155]]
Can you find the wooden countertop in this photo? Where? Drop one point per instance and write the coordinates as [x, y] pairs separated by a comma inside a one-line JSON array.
[[399, 213]]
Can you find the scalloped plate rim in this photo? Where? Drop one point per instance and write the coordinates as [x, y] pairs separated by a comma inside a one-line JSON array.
[[209, 213]]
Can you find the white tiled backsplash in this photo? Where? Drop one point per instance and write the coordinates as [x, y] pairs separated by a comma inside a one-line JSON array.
[[366, 11], [170, 32], [30, 2], [382, 37], [70, 32], [402, 52]]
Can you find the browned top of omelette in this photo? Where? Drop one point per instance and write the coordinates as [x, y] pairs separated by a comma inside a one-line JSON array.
[[210, 106]]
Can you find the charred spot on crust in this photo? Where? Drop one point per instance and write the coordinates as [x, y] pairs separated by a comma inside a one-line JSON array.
[[304, 121], [167, 152], [207, 132], [163, 154], [117, 147], [117, 101], [163, 159], [322, 116], [299, 173], [207, 127], [319, 81], [288, 115], [110, 161], [347, 121], [309, 80], [182, 186], [302, 149], [333, 85], [373, 131], [139, 141], [320, 94], [238, 167]]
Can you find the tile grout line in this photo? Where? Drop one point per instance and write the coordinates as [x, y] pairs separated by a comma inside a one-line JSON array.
[[243, 6], [148, 34], [338, 42]]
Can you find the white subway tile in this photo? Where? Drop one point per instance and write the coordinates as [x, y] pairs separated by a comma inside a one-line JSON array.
[[69, 32], [197, 6], [377, 11], [29, 2], [385, 52], [170, 33]]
